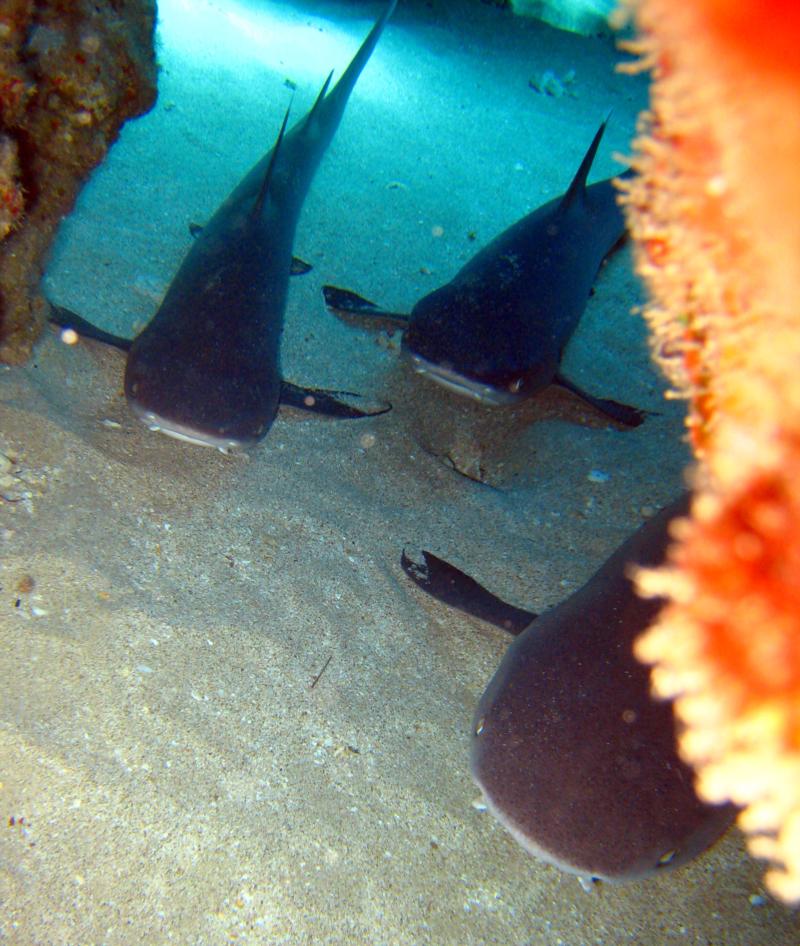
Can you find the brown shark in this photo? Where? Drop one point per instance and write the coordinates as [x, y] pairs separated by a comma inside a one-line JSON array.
[[573, 754]]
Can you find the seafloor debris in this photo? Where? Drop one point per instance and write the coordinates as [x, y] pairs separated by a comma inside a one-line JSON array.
[[18, 483], [548, 83], [70, 75]]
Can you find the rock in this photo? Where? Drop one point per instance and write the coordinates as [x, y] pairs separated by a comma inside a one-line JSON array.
[[589, 17], [70, 76]]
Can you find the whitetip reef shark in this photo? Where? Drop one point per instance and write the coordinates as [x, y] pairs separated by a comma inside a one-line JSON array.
[[205, 369], [497, 331], [573, 754]]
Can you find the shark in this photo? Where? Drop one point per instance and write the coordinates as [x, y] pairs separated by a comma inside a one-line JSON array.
[[496, 332], [574, 755], [206, 368]]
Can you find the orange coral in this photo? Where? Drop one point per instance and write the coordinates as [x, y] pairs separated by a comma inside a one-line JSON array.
[[728, 646], [715, 212]]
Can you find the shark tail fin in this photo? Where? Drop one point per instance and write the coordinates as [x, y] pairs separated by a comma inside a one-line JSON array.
[[577, 188], [344, 86], [333, 103], [263, 191]]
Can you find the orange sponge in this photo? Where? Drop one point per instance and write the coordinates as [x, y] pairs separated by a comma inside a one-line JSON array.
[[715, 213]]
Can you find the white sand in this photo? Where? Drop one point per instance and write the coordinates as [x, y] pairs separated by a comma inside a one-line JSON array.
[[168, 773]]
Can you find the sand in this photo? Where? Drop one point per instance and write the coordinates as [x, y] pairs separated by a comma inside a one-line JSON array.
[[173, 766]]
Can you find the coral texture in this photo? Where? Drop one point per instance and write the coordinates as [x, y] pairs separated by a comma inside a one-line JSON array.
[[70, 75], [715, 213]]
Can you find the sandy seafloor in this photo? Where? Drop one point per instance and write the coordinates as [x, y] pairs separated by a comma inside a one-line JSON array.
[[168, 773]]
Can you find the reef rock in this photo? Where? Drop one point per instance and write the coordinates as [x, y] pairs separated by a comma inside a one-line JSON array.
[[589, 17], [70, 75]]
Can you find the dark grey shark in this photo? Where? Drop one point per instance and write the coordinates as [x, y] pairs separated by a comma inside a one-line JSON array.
[[496, 332], [573, 754], [206, 367]]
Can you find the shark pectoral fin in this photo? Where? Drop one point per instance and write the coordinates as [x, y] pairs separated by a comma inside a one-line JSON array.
[[343, 300], [622, 413], [300, 267], [350, 307], [331, 403], [67, 319], [447, 584]]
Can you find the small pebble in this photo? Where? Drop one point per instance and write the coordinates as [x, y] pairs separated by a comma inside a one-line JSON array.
[[598, 476], [91, 43], [25, 585]]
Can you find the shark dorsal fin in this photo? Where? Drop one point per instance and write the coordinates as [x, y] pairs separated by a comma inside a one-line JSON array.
[[319, 100], [578, 186], [258, 205]]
